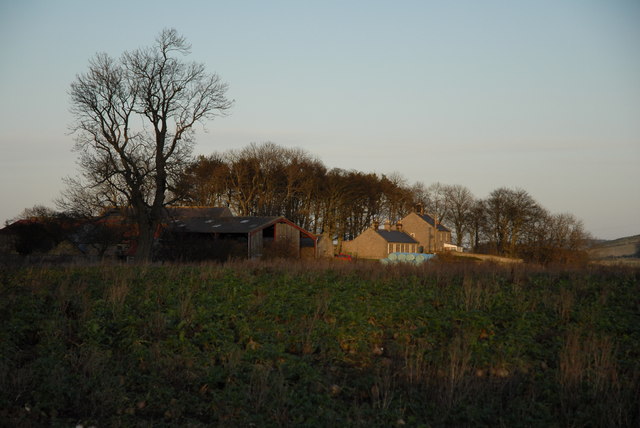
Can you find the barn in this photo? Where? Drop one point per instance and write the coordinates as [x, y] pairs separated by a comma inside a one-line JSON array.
[[250, 237]]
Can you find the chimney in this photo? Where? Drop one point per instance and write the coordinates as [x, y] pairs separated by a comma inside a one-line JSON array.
[[387, 225], [399, 226], [420, 208], [375, 225]]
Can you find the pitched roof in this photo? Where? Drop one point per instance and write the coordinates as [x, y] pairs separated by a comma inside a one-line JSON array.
[[190, 212], [223, 224], [429, 219], [175, 212], [396, 236]]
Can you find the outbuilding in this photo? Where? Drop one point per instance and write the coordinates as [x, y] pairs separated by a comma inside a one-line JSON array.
[[231, 236]]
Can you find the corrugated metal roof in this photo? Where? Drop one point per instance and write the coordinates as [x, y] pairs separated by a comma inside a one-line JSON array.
[[223, 224], [175, 212], [396, 236], [429, 219], [191, 212]]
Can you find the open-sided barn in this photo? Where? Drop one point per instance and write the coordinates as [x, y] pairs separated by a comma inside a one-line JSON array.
[[255, 235]]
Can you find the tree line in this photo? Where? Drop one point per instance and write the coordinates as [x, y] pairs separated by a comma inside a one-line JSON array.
[[269, 180]]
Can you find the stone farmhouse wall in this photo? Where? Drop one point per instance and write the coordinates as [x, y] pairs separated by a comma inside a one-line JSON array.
[[368, 245]]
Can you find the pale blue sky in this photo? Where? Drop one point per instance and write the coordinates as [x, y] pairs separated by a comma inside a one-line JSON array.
[[542, 95]]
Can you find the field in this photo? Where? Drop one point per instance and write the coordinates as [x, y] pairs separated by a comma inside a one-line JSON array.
[[628, 247], [322, 344]]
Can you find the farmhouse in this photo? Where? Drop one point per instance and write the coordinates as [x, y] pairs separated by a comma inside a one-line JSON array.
[[416, 233], [375, 243], [432, 236]]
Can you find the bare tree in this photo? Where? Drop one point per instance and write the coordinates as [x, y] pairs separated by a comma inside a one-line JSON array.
[[477, 223], [35, 212], [460, 201], [205, 182], [437, 202], [134, 120], [556, 238], [397, 195], [508, 213]]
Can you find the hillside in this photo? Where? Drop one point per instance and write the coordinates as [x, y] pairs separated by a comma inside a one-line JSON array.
[[622, 247]]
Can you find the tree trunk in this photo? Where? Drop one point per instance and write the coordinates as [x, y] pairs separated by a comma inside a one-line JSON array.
[[145, 244], [147, 220]]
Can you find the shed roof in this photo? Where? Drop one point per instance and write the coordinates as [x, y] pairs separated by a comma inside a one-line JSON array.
[[223, 224], [173, 212], [190, 212], [396, 236]]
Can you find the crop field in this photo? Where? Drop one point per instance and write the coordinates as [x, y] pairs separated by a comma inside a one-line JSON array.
[[281, 344]]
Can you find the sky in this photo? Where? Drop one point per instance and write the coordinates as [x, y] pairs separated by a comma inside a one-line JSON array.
[[541, 95]]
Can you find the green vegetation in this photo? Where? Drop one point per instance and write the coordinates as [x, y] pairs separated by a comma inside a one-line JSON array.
[[327, 344]]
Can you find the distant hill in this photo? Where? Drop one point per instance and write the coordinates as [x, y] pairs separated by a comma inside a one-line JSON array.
[[622, 247]]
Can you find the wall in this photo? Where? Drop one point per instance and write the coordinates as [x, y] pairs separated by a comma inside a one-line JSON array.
[[397, 247], [422, 232], [325, 246], [287, 233], [419, 230], [368, 245], [255, 244]]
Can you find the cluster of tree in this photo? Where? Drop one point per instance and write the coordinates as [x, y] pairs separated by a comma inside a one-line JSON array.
[[35, 230], [39, 230], [269, 180], [510, 222]]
